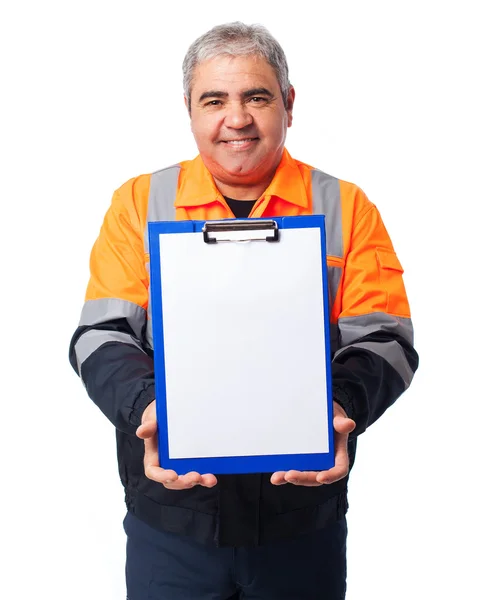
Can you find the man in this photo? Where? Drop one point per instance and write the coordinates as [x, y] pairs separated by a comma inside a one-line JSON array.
[[261, 536]]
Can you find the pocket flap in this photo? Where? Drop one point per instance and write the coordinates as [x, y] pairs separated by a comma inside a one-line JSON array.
[[388, 259]]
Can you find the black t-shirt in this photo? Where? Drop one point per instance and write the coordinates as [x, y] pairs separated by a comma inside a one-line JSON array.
[[240, 208]]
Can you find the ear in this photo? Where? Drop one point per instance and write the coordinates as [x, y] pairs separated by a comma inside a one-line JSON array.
[[290, 104], [187, 103]]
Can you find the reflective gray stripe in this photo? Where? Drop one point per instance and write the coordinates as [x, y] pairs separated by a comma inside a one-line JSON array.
[[334, 275], [162, 195], [354, 328], [93, 339], [107, 309], [392, 352], [327, 201]]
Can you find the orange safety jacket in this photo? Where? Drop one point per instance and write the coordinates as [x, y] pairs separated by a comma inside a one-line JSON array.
[[371, 338]]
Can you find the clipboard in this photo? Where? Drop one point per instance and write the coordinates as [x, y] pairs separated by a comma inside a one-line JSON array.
[[240, 321]]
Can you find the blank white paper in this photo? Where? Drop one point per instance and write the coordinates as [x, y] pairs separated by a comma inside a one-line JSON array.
[[244, 345]]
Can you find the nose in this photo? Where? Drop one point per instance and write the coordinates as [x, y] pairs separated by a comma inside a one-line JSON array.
[[237, 116]]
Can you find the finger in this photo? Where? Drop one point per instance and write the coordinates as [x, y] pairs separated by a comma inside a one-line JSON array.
[[305, 478], [188, 481], [191, 479], [172, 481], [165, 476], [208, 480], [277, 478]]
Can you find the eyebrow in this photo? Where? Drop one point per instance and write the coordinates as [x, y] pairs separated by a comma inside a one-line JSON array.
[[212, 94], [247, 94], [257, 92]]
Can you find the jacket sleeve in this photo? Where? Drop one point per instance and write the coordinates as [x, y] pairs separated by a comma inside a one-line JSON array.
[[375, 361], [107, 349]]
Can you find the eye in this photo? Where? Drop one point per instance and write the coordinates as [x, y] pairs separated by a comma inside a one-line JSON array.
[[213, 103], [258, 100]]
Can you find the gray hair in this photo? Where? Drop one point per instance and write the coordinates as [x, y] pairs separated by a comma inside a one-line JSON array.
[[237, 39]]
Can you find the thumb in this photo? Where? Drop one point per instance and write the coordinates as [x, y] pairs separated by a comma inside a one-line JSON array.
[[146, 430], [343, 424], [148, 427]]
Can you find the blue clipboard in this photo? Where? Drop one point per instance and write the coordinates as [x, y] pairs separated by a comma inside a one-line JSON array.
[[220, 232]]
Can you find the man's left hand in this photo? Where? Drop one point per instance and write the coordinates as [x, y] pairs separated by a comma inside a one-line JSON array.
[[343, 426]]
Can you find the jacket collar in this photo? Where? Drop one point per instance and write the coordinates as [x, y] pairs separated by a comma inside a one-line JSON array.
[[198, 186]]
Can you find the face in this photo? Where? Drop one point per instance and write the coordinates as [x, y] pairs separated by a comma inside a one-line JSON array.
[[238, 119]]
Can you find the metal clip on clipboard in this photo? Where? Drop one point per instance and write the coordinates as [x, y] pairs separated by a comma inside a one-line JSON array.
[[240, 231]]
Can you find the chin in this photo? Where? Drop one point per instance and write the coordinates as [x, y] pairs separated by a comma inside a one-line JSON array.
[[240, 168]]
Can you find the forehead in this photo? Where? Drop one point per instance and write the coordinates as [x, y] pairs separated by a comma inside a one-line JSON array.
[[232, 73]]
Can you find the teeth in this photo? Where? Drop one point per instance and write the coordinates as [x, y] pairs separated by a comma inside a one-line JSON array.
[[238, 142]]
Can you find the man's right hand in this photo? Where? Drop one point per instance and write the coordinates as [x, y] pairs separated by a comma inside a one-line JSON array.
[[169, 479]]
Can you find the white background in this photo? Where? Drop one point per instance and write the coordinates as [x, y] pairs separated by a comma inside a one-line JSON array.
[[390, 96]]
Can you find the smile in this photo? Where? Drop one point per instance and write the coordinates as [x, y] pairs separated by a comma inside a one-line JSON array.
[[239, 143]]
